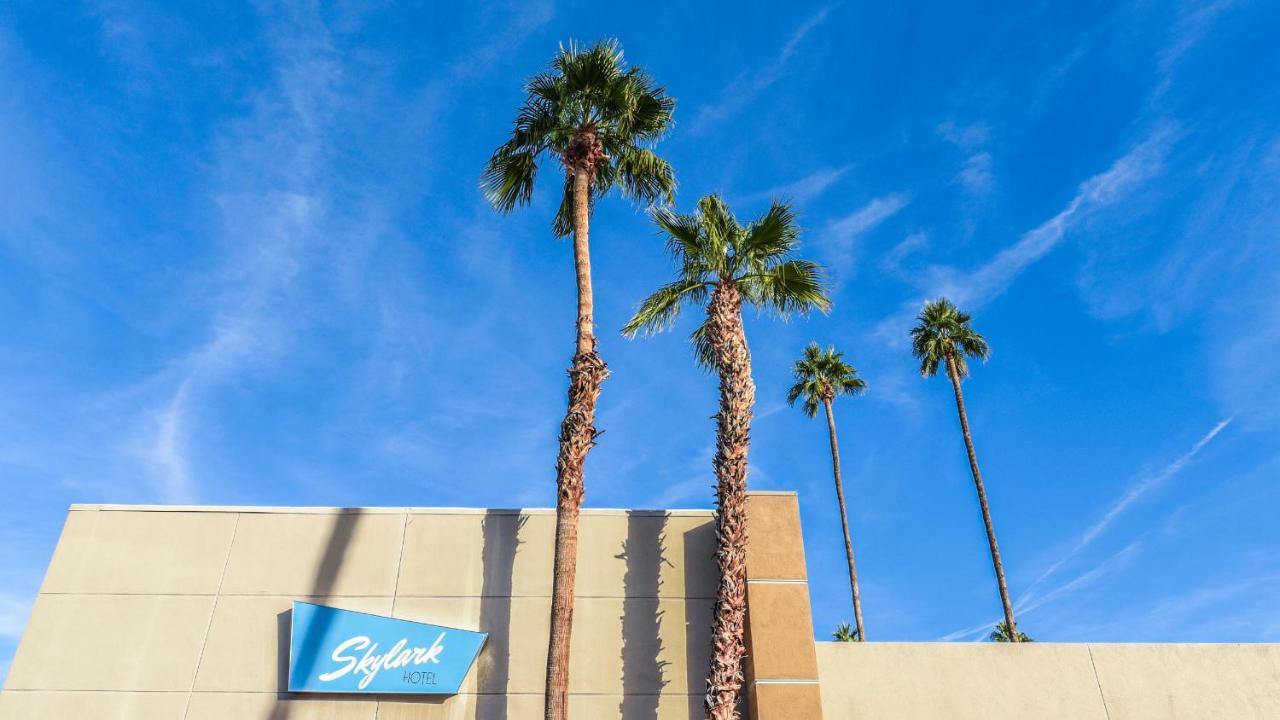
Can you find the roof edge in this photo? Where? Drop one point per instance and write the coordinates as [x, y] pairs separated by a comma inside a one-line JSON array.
[[295, 510]]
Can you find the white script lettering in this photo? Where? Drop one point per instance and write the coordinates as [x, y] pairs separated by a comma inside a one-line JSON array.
[[400, 655]]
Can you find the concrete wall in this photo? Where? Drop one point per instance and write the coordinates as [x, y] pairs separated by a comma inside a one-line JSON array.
[[163, 613], [1048, 681], [182, 614]]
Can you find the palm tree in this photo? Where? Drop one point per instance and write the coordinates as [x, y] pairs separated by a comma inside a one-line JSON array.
[[724, 265], [821, 376], [844, 633], [945, 336], [598, 118], [1001, 634]]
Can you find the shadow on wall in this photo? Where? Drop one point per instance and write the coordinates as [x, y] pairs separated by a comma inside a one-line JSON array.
[[335, 551], [700, 589], [500, 530], [643, 670]]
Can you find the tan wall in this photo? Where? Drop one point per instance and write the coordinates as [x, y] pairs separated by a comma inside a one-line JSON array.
[[781, 666], [171, 614], [168, 614], [1048, 681]]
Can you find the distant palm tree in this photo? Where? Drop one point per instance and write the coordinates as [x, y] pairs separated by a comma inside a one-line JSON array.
[[597, 117], [1001, 634], [819, 377], [944, 336], [725, 265], [844, 633]]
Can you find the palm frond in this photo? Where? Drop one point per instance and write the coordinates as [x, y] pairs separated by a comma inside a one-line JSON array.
[[684, 233], [849, 385], [508, 177], [650, 112], [720, 232], [704, 356], [773, 235], [643, 176], [589, 74], [548, 87], [844, 633], [791, 287], [1001, 634], [562, 223], [808, 389], [973, 345], [658, 311]]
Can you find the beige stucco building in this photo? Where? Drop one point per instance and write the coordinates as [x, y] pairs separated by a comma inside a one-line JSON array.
[[172, 613]]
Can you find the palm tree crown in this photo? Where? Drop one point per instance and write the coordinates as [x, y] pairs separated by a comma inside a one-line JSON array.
[[844, 633], [944, 332], [595, 114], [713, 248], [1001, 634], [821, 375]]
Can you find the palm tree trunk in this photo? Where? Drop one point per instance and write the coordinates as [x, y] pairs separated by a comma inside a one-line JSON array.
[[733, 428], [844, 521], [982, 500], [577, 437]]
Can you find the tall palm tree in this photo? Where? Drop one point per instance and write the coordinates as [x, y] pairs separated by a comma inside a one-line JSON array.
[[821, 376], [724, 266], [944, 336], [598, 118]]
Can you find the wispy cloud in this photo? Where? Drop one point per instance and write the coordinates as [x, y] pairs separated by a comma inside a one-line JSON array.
[[698, 482], [749, 84], [866, 217], [1213, 610], [268, 218], [803, 190], [976, 176], [1030, 601], [1027, 605], [1193, 23], [911, 244], [976, 288], [991, 279], [13, 615], [292, 244], [839, 235], [1034, 598], [972, 632], [1136, 491]]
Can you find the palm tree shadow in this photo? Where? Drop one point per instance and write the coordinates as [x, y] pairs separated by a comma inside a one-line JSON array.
[[501, 534], [643, 669], [335, 552], [699, 558]]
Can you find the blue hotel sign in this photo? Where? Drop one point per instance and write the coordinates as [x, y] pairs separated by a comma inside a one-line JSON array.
[[341, 651]]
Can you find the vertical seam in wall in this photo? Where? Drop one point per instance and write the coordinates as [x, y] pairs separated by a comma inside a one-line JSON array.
[[1101, 695], [395, 593], [204, 642]]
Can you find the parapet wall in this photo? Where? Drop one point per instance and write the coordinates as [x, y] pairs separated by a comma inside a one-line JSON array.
[[183, 613], [1049, 681]]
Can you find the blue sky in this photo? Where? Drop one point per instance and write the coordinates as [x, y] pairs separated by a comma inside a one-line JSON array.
[[243, 260]]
